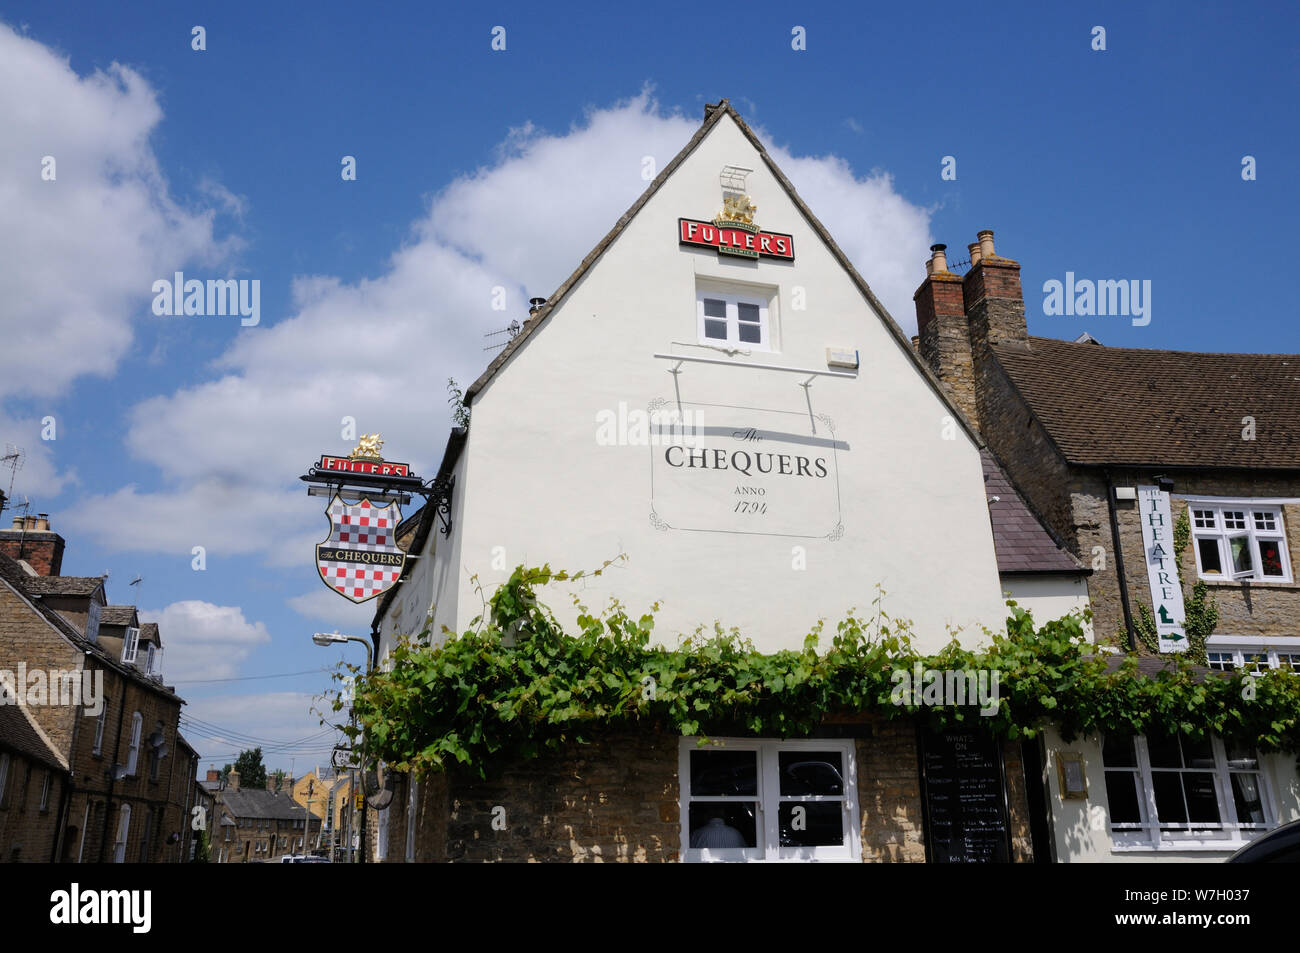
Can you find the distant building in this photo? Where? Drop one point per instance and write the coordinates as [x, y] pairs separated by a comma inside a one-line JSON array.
[[257, 825]]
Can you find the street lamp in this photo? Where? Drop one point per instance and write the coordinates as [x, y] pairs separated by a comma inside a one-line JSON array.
[[327, 639]]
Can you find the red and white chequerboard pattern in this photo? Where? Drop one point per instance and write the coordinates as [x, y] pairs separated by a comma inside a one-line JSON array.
[[362, 526]]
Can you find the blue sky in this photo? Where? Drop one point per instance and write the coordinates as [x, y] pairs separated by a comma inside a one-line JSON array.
[[478, 169]]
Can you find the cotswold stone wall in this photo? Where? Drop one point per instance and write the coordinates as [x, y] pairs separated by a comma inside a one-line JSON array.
[[617, 800]]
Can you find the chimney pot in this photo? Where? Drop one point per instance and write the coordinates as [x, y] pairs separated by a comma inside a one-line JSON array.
[[986, 243], [974, 249], [18, 522], [939, 258], [43, 522], [29, 522]]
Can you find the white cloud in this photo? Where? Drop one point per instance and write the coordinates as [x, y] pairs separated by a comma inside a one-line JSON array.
[[382, 349], [78, 254], [326, 605], [282, 724], [201, 640]]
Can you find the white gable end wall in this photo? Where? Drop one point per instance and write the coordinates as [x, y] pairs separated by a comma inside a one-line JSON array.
[[901, 503]]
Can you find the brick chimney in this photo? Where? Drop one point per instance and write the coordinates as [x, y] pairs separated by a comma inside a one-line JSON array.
[[232, 780], [213, 773], [995, 305], [31, 539], [944, 340]]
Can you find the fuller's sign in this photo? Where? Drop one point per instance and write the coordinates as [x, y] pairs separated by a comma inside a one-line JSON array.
[[367, 467], [736, 238]]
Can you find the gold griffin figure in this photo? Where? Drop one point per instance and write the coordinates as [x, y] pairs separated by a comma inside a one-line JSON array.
[[738, 208], [368, 447]]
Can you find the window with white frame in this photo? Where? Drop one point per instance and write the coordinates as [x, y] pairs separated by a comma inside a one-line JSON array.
[[99, 730], [137, 725], [751, 800], [1255, 654], [130, 645], [1239, 541], [149, 659], [1174, 792], [92, 621], [123, 828], [735, 319]]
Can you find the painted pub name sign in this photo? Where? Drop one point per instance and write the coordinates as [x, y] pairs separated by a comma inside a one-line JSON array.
[[744, 239]]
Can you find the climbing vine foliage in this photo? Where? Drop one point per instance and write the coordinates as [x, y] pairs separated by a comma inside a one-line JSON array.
[[516, 685]]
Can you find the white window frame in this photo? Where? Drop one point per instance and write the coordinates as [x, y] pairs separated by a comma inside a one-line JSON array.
[[1246, 651], [1147, 834], [123, 832], [733, 298], [149, 659], [99, 730], [769, 798], [1222, 534], [133, 756], [131, 645]]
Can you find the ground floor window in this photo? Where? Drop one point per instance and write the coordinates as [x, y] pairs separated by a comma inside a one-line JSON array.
[[751, 799], [1172, 791]]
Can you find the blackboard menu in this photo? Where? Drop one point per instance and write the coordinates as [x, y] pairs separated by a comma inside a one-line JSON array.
[[962, 795]]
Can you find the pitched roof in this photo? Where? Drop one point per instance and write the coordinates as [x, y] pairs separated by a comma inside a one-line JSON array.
[[117, 615], [12, 573], [712, 115], [262, 804], [19, 734], [1136, 406], [1021, 540], [63, 585], [149, 633]]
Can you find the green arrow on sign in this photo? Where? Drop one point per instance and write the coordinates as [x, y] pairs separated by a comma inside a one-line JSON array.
[[1174, 637], [1164, 616]]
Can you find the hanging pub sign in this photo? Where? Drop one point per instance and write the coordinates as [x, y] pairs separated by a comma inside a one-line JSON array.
[[1162, 572], [733, 232], [360, 559]]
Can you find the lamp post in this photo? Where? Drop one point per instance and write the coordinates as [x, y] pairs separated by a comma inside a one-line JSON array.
[[327, 639]]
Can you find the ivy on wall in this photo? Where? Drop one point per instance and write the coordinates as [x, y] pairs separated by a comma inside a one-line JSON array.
[[515, 685], [1201, 611]]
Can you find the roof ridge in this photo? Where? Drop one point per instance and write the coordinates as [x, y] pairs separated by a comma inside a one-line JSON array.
[[1148, 350]]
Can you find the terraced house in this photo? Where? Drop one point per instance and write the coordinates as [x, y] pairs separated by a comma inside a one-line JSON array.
[[1175, 476], [119, 778]]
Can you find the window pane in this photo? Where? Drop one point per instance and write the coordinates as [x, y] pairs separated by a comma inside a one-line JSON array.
[[1245, 794], [1220, 660], [719, 773], [1121, 795], [1198, 754], [715, 329], [1239, 549], [1270, 557], [1211, 565], [751, 334], [1117, 752], [1265, 521], [1256, 661], [714, 308], [748, 312], [1234, 519], [1169, 797], [811, 823], [811, 772], [1202, 801], [718, 826], [1164, 751], [1204, 518]]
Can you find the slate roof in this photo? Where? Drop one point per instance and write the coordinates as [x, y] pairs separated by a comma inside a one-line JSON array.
[[712, 115], [117, 615], [18, 734], [1144, 407], [149, 633], [63, 585], [259, 804], [1022, 542]]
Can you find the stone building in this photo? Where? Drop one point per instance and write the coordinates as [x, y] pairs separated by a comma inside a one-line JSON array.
[[96, 694], [856, 468], [33, 783], [257, 825], [1163, 471]]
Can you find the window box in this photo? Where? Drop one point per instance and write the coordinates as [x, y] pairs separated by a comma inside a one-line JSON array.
[[1172, 793], [755, 800], [1239, 542]]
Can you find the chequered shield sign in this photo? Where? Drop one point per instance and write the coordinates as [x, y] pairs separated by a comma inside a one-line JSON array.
[[360, 559]]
